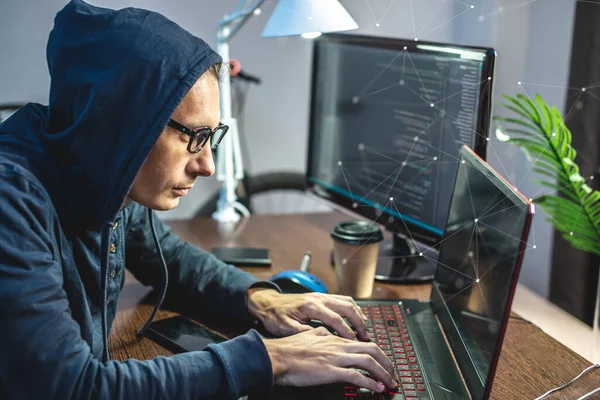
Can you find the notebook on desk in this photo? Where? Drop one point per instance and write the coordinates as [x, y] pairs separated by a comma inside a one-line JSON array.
[[448, 346]]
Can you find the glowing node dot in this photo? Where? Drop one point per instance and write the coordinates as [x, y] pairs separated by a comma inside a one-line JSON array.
[[257, 11], [403, 163], [310, 18], [416, 39], [376, 24], [481, 18], [583, 89], [435, 158], [476, 219], [519, 83], [339, 163], [432, 105], [416, 139], [405, 47], [361, 146], [354, 205], [487, 139], [477, 280], [470, 254], [592, 177], [489, 78], [534, 246], [553, 134], [500, 9], [421, 254], [571, 233], [391, 199], [344, 261], [472, 6], [355, 99], [463, 161], [401, 81], [530, 199]]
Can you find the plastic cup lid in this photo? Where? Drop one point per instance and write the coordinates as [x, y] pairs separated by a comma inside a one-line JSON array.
[[357, 232]]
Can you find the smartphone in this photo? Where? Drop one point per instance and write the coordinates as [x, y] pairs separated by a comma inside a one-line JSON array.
[[243, 256], [180, 334]]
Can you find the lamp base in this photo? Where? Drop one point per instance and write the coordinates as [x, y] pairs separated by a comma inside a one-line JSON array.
[[226, 214]]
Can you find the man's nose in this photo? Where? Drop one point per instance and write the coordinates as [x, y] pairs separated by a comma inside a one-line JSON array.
[[202, 163]]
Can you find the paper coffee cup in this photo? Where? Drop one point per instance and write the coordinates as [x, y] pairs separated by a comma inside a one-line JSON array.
[[355, 248]]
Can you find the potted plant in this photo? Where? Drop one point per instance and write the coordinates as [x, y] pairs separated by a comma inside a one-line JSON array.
[[541, 133]]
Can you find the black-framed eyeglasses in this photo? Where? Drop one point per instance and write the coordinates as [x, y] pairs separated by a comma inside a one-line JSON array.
[[201, 136]]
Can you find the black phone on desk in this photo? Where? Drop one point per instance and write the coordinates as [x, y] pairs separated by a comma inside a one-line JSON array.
[[243, 256], [180, 334]]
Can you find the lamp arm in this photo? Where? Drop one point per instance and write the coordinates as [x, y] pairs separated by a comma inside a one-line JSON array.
[[230, 25]]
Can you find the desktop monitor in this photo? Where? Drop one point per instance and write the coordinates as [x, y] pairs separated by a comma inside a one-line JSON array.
[[387, 120]]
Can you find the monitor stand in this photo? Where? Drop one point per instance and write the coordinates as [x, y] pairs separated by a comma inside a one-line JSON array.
[[399, 261]]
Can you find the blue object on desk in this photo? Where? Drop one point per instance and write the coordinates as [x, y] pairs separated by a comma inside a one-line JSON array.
[[302, 281]]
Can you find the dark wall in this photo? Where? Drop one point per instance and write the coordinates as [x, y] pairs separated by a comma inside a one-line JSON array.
[[575, 273]]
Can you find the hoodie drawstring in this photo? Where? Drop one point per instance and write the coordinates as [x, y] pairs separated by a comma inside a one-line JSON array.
[[165, 275], [103, 285]]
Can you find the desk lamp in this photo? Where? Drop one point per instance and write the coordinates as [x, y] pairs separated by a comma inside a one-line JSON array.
[[307, 18]]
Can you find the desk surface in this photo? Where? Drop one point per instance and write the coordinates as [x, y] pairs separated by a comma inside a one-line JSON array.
[[531, 362]]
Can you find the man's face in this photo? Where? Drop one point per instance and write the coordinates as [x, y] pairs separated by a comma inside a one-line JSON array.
[[170, 169]]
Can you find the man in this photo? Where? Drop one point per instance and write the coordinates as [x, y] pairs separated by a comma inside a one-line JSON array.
[[79, 180]]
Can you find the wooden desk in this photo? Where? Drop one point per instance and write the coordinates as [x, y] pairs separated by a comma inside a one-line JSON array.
[[531, 362]]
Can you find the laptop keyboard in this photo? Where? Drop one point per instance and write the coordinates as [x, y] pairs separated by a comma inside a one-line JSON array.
[[387, 328]]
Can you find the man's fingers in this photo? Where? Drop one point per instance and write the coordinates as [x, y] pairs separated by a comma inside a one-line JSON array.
[[350, 300], [332, 319], [354, 377], [372, 366], [376, 353], [349, 311]]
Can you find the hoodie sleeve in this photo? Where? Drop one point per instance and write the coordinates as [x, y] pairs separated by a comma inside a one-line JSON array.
[[195, 276], [42, 353]]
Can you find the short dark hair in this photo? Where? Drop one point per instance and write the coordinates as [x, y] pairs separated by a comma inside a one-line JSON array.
[[216, 69]]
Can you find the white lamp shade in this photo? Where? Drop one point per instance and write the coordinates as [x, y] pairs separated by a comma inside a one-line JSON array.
[[297, 17]]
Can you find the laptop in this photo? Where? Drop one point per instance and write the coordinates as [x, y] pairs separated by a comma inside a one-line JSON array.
[[448, 346]]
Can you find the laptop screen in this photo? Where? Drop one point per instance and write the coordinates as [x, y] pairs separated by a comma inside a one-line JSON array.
[[480, 257]]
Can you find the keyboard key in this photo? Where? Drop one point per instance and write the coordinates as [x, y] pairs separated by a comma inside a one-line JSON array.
[[412, 360], [402, 361], [421, 388], [403, 368], [406, 380], [417, 374], [410, 393], [384, 341], [408, 386], [403, 373], [384, 346], [419, 380], [391, 322], [400, 355], [411, 353]]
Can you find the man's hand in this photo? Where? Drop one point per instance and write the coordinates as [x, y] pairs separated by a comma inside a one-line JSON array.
[[287, 314], [317, 357]]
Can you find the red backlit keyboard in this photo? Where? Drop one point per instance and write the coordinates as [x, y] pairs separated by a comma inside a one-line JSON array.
[[387, 328]]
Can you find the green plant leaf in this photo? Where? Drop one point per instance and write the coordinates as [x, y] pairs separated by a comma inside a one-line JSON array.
[[546, 141]]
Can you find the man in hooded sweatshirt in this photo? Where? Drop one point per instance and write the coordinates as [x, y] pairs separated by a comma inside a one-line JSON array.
[[132, 113]]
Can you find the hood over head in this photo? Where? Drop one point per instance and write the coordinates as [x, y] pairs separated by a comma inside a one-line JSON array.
[[117, 76]]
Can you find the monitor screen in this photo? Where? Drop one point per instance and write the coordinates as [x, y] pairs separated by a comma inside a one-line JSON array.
[[478, 266], [388, 119]]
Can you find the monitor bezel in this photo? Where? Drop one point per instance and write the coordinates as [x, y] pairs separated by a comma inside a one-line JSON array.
[[457, 345], [393, 223]]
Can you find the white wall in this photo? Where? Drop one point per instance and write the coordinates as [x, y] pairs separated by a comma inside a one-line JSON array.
[[531, 37]]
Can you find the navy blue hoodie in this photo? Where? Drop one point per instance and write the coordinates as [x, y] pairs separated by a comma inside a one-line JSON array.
[[65, 170]]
